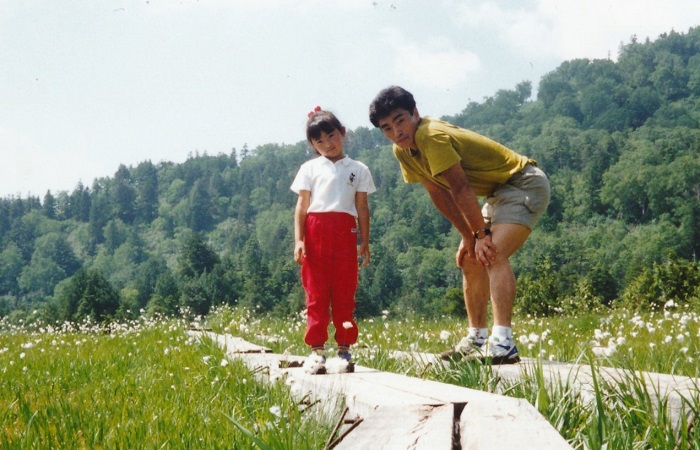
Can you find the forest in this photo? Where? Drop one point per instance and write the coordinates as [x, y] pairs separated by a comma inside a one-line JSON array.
[[620, 141]]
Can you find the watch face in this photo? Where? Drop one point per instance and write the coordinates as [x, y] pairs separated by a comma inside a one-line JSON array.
[[480, 234]]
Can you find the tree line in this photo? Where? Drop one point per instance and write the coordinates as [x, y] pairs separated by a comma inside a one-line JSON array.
[[620, 141]]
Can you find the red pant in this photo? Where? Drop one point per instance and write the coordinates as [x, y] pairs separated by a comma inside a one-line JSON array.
[[329, 275]]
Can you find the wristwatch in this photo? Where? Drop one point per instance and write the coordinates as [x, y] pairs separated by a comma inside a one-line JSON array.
[[480, 234]]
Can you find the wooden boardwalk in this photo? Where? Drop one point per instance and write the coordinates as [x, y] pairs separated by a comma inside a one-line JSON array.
[[394, 412], [390, 411]]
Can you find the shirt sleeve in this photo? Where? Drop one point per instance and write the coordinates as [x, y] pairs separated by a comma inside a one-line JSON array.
[[439, 152], [302, 182], [366, 183]]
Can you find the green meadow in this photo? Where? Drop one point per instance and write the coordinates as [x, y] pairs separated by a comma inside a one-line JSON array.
[[148, 384]]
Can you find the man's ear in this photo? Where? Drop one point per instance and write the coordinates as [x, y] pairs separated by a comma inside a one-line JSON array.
[[342, 131], [415, 113]]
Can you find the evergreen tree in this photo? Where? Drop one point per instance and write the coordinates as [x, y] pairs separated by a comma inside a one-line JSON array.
[[49, 205]]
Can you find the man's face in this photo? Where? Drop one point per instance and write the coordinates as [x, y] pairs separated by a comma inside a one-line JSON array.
[[400, 127]]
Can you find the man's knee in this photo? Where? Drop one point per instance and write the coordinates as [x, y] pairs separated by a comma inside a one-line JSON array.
[[472, 269]]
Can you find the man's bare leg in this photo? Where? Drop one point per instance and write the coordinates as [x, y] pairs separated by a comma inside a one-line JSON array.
[[475, 283], [508, 239]]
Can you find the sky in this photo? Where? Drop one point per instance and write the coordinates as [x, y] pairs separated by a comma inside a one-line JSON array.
[[87, 85]]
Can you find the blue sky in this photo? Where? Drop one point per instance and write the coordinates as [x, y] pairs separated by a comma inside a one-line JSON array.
[[86, 85]]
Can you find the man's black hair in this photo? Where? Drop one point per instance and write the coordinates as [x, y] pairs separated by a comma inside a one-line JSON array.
[[389, 99]]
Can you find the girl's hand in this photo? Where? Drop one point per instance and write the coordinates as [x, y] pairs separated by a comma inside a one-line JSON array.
[[363, 255], [299, 252]]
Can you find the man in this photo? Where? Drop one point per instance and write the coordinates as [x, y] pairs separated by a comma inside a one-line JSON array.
[[456, 166]]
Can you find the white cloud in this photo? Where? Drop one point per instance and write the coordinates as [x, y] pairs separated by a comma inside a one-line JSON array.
[[431, 63], [568, 29]]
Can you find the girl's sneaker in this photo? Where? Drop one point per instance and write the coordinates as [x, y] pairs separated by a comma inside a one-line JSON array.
[[503, 351], [316, 362], [342, 364]]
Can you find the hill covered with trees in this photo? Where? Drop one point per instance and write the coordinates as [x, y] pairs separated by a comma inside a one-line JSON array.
[[620, 142]]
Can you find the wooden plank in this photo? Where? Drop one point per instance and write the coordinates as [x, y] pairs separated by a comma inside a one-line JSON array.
[[418, 427], [507, 423], [232, 344], [675, 390]]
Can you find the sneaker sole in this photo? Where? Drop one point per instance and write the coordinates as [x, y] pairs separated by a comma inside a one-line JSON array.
[[501, 360], [323, 371], [453, 355]]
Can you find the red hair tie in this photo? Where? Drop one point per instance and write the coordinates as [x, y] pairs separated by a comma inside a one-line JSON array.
[[315, 110]]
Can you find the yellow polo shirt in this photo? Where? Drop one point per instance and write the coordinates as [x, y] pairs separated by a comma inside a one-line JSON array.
[[441, 145]]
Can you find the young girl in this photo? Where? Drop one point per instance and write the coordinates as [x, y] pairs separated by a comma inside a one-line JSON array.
[[332, 205]]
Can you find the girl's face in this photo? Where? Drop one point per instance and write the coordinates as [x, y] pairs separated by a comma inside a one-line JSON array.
[[330, 145]]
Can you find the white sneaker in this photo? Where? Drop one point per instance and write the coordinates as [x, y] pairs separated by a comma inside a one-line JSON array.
[[316, 362], [470, 347], [503, 351]]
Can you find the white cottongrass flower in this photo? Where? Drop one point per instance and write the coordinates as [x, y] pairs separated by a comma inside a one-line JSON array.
[[224, 362], [445, 335], [599, 351], [205, 359], [276, 410]]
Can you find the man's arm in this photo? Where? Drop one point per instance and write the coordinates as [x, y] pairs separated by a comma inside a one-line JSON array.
[[461, 207], [443, 201], [464, 198]]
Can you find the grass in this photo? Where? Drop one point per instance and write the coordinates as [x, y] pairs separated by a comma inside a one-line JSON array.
[[143, 385], [146, 384]]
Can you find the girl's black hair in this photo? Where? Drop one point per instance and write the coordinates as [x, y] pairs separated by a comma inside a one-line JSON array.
[[389, 99], [321, 121]]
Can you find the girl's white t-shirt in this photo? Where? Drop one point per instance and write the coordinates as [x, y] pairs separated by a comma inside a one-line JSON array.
[[333, 185]]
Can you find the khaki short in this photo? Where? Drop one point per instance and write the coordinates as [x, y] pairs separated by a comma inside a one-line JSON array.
[[522, 200]]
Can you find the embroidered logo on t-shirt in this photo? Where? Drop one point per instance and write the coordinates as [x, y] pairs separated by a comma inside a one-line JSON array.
[[351, 180]]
